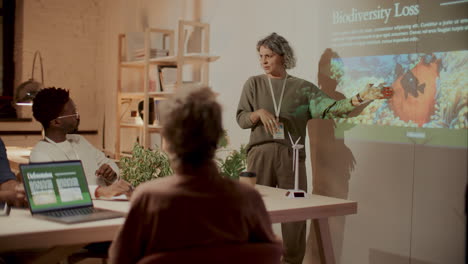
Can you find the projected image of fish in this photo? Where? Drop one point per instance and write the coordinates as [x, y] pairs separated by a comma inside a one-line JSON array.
[[415, 91], [410, 84], [430, 90]]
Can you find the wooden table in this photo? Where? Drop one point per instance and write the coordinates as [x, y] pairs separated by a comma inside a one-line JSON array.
[[21, 231]]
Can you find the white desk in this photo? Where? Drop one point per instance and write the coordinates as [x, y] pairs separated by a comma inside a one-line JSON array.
[[21, 231]]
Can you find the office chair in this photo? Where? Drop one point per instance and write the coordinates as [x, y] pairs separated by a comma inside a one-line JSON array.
[[249, 253]]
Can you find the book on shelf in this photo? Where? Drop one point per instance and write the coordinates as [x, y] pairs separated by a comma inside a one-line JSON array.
[[135, 44], [139, 54], [170, 87], [154, 84], [167, 77], [157, 116]]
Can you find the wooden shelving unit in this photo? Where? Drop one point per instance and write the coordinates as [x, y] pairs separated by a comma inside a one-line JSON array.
[[202, 59]]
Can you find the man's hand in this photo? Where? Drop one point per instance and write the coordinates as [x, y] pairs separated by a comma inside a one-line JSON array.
[[269, 121], [107, 173], [115, 189], [14, 197]]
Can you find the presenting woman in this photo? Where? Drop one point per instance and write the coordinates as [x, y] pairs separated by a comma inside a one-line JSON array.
[[275, 105]]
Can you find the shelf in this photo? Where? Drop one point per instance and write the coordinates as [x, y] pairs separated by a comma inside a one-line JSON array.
[[141, 95], [125, 154], [154, 128], [145, 67], [172, 60], [190, 58]]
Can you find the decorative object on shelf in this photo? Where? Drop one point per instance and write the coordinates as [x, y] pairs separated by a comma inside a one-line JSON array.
[[144, 165], [26, 91], [132, 118], [151, 111]]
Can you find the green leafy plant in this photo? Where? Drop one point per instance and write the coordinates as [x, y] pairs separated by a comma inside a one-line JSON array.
[[144, 165], [234, 163], [236, 160]]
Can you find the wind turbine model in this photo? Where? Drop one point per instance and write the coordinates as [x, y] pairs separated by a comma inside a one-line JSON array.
[[296, 193]]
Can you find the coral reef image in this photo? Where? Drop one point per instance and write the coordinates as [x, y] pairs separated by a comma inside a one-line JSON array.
[[430, 90]]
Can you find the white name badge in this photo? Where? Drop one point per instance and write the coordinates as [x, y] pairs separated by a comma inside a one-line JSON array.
[[280, 132]]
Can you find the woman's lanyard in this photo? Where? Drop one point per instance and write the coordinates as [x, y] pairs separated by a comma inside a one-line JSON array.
[[63, 150], [277, 107]]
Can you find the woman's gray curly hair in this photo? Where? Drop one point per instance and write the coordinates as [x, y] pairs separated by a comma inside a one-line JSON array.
[[280, 46], [192, 126]]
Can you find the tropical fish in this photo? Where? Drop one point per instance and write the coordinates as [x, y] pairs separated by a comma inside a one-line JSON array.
[[415, 90], [410, 84]]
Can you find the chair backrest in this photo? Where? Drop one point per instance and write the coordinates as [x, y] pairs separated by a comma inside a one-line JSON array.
[[249, 253]]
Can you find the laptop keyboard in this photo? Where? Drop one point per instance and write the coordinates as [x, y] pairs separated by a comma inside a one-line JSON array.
[[72, 212]]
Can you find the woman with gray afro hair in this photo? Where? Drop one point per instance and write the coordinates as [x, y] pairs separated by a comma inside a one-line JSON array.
[[280, 46], [276, 107]]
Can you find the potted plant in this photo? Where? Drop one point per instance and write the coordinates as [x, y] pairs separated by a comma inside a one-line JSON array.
[[235, 162], [144, 165]]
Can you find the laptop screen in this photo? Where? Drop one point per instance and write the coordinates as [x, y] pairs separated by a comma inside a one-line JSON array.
[[55, 185]]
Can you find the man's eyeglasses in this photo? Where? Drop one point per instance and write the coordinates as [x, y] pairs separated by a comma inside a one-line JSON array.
[[76, 115]]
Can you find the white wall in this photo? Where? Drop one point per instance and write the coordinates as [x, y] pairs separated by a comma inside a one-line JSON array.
[[236, 26]]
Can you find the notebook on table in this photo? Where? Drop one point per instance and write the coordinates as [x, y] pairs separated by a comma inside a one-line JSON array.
[[58, 191]]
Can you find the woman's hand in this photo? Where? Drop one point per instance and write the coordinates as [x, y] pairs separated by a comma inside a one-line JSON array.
[[372, 92], [269, 121]]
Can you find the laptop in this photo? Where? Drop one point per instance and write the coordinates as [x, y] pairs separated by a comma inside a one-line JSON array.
[[58, 191]]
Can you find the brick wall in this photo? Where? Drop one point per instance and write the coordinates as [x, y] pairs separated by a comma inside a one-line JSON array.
[[67, 34]]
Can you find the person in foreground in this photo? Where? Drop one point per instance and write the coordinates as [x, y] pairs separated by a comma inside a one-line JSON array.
[[196, 206], [11, 193], [11, 190], [57, 113], [275, 105]]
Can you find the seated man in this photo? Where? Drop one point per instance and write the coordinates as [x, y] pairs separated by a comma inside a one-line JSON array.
[[196, 206], [11, 191], [55, 110]]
